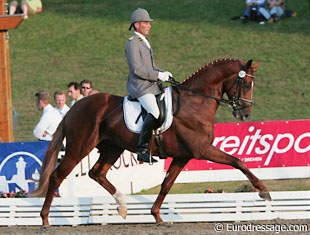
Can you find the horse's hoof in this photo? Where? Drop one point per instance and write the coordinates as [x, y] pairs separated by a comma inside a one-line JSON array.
[[122, 211], [265, 195], [166, 224]]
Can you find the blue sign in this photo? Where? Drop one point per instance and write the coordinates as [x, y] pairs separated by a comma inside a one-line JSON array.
[[20, 165]]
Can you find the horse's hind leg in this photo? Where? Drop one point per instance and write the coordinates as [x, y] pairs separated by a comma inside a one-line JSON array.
[[218, 156], [108, 156], [70, 160]]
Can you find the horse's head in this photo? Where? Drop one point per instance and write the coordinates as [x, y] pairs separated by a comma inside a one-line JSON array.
[[240, 90]]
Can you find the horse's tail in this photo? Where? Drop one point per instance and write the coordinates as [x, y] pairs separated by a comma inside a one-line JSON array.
[[49, 161]]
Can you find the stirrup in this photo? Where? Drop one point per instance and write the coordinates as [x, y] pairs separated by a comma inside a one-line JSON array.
[[145, 156]]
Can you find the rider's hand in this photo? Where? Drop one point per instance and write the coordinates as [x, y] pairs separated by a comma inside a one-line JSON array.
[[164, 76]]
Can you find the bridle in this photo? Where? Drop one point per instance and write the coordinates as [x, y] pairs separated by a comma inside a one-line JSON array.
[[235, 101]]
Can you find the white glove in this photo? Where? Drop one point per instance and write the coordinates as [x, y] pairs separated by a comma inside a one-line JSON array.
[[164, 76]]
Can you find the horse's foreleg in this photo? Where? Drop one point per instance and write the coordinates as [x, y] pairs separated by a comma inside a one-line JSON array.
[[218, 156], [172, 173], [108, 156]]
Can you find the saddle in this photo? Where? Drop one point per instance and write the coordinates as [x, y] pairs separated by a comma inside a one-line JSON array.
[[134, 115]]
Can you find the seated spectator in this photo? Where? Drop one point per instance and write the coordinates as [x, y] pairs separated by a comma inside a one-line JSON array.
[[60, 99], [274, 11], [49, 120], [86, 87], [25, 7], [74, 92], [252, 10]]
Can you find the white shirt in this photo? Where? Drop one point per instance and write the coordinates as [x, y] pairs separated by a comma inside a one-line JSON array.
[[74, 101], [48, 123], [63, 111], [143, 38]]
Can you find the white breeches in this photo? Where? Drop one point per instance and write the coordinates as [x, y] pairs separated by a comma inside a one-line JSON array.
[[148, 102]]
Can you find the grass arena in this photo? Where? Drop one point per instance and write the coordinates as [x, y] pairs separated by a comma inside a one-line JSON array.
[[72, 41]]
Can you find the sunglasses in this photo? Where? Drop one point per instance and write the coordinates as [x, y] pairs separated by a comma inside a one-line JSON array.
[[84, 87]]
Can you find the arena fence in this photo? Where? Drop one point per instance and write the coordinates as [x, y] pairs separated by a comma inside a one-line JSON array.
[[176, 208]]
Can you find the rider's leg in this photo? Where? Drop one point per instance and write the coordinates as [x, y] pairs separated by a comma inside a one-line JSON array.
[[149, 103]]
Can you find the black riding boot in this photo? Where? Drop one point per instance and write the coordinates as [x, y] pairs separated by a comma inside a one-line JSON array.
[[145, 138]]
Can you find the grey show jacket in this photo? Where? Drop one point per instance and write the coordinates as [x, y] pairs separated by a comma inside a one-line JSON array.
[[143, 74]]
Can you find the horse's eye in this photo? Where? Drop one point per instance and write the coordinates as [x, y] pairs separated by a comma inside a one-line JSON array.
[[246, 86]]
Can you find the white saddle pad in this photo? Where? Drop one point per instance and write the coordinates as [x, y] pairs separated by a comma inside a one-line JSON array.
[[132, 110]]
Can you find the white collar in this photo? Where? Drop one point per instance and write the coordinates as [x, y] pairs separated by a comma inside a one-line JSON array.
[[143, 38], [47, 107]]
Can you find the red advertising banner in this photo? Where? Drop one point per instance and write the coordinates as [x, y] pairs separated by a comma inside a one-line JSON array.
[[260, 144]]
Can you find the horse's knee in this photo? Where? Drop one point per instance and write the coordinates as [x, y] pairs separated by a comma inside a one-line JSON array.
[[94, 172], [98, 177], [91, 174]]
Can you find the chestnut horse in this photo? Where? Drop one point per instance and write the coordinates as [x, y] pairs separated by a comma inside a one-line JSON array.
[[97, 121]]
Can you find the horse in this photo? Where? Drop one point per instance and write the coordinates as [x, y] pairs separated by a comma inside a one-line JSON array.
[[98, 121]]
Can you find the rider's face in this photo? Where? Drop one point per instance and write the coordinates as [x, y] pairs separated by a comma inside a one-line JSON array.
[[143, 27]]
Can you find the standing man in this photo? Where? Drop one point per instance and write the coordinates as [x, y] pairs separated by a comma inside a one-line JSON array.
[[49, 120], [60, 99], [74, 92], [143, 77]]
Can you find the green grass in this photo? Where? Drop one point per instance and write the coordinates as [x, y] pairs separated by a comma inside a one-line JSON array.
[[234, 186], [85, 39]]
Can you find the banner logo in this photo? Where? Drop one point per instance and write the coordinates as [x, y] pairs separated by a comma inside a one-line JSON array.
[[18, 170]]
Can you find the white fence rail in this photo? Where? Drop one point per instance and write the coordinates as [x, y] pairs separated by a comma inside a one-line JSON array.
[[176, 208]]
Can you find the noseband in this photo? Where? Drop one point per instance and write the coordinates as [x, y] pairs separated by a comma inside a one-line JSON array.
[[234, 101]]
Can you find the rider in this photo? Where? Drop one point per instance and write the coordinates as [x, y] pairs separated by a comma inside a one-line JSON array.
[[142, 79]]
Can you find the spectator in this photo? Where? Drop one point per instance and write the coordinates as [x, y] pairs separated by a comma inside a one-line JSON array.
[[252, 10], [49, 120], [25, 7], [86, 87], [274, 11], [74, 92], [60, 99]]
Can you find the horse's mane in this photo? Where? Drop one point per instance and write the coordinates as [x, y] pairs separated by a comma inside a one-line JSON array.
[[207, 66]]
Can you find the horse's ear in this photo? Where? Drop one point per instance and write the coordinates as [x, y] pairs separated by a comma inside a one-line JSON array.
[[256, 65], [248, 64]]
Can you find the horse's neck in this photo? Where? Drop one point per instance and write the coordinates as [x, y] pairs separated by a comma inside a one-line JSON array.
[[210, 78], [204, 83], [205, 86], [195, 107]]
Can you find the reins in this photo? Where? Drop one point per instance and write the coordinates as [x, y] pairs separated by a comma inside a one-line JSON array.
[[178, 85], [233, 102]]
